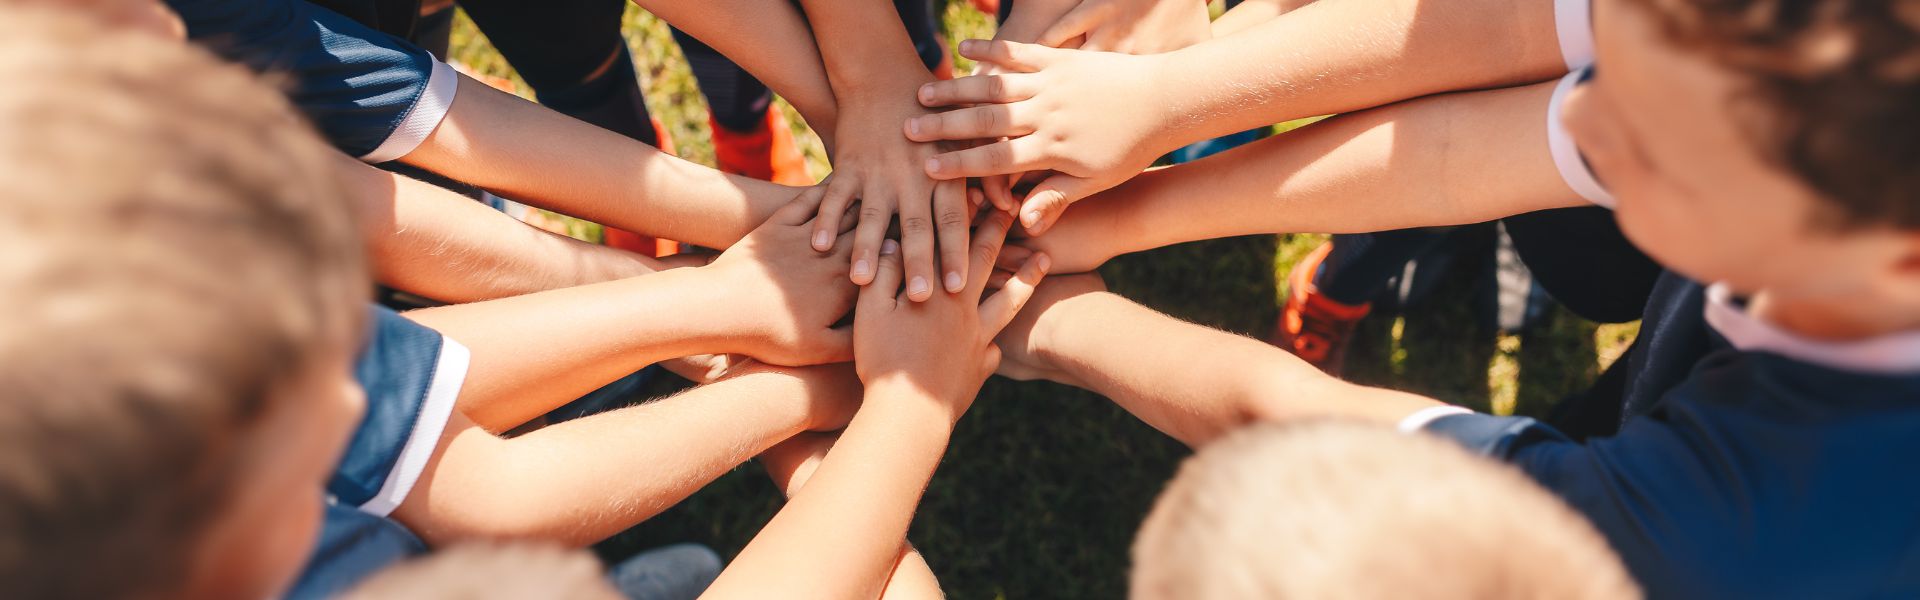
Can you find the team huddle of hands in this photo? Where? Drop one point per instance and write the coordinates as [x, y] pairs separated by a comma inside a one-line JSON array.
[[928, 303]]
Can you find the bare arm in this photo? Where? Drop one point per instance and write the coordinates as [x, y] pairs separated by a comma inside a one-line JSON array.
[[770, 39], [1191, 382], [760, 298], [792, 462], [1441, 160], [579, 481], [524, 151], [432, 242]]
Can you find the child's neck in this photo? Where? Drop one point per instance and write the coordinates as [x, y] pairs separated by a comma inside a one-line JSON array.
[[1834, 319]]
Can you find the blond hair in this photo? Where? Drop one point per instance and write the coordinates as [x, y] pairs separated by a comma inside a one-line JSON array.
[[172, 254], [484, 571], [1337, 510]]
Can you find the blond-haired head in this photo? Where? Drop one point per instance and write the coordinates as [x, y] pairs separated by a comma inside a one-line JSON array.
[[178, 270], [1339, 510]]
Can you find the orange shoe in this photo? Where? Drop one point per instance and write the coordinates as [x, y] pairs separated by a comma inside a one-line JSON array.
[[634, 242], [1312, 326], [768, 153]]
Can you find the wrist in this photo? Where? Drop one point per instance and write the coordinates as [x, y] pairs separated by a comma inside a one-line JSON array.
[[903, 397]]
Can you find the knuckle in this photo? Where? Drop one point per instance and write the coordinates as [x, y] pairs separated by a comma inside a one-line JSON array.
[[873, 212], [996, 87], [952, 218], [915, 224], [984, 119]]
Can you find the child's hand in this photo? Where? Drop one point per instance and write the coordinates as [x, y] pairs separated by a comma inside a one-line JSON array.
[[786, 297], [1020, 342], [1129, 26], [1089, 117], [1080, 241], [942, 347], [877, 166]]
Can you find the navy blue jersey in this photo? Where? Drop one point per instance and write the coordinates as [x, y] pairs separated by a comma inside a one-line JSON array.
[[411, 375], [1739, 471], [374, 96]]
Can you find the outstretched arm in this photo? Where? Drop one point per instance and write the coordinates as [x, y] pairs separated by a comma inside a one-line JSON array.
[[429, 241], [792, 463], [922, 364], [769, 38], [1442, 160], [579, 481], [1065, 111], [1191, 382], [524, 151], [760, 298]]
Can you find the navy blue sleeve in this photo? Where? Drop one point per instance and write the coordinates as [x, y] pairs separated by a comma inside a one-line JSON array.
[[371, 94], [411, 375], [353, 546]]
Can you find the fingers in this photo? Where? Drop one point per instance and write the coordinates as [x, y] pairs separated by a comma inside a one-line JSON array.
[[917, 242], [1013, 56], [876, 213], [999, 190], [1000, 309], [1077, 22], [1012, 256], [1049, 200], [837, 194], [951, 223], [886, 283], [998, 158], [987, 241], [987, 121], [978, 89]]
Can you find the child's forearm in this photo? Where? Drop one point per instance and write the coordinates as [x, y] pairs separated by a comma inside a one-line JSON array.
[[1334, 57], [429, 241], [523, 151], [533, 353], [1443, 160], [579, 481], [794, 461], [865, 49], [774, 45], [1192, 382], [842, 533]]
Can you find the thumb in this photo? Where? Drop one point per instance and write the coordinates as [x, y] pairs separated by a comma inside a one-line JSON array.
[[1050, 199], [1075, 23]]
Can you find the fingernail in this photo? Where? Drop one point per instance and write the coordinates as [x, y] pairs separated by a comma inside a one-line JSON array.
[[862, 268], [933, 165], [822, 240], [969, 45], [913, 126], [926, 93], [1030, 219], [918, 286], [953, 282], [1045, 264], [889, 247]]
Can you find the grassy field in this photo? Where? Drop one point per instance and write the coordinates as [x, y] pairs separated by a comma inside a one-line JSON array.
[[1044, 484]]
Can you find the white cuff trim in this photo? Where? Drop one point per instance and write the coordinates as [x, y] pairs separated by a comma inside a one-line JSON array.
[[423, 118], [1573, 22], [1889, 354], [1420, 418], [448, 375], [1566, 156]]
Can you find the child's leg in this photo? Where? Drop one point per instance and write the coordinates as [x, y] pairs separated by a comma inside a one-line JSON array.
[[572, 54]]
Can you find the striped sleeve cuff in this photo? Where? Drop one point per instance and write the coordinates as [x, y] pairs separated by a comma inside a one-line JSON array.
[[449, 373], [1573, 24], [1566, 156], [423, 118]]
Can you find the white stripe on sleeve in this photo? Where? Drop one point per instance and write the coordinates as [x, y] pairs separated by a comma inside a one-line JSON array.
[[448, 375], [1566, 156], [1573, 23], [426, 114]]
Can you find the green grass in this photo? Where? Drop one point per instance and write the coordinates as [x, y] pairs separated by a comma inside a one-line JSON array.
[[1044, 484]]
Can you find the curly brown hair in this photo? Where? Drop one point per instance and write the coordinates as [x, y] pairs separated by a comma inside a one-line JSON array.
[[1837, 83]]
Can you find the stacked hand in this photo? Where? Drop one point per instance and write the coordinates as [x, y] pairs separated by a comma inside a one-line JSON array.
[[787, 297], [942, 347], [1070, 114]]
